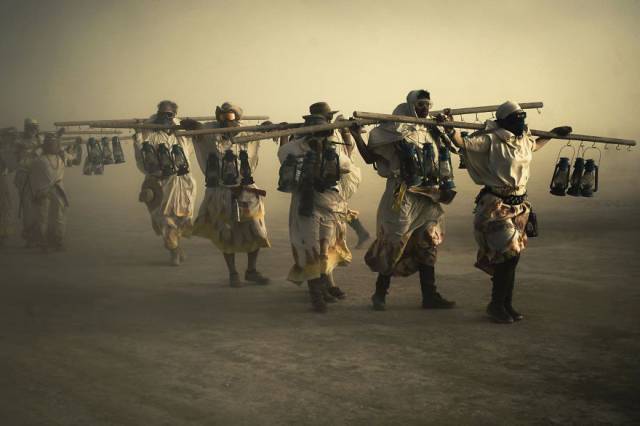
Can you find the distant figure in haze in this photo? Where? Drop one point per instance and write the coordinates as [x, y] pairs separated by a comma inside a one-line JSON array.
[[499, 158], [232, 214], [50, 200], [410, 223], [8, 164], [28, 145], [168, 190], [318, 172]]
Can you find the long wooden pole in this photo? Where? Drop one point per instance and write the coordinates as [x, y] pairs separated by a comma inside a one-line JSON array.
[[97, 123], [480, 126], [220, 130], [86, 132], [487, 108], [302, 130]]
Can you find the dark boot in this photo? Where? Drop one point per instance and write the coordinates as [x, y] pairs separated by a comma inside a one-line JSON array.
[[431, 299], [333, 289], [379, 297], [363, 234], [315, 292], [517, 316], [496, 309], [326, 290]]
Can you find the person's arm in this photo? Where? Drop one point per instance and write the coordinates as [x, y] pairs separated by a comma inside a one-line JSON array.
[[560, 131]]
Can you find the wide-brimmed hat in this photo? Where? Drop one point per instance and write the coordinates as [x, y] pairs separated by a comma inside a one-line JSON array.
[[320, 108]]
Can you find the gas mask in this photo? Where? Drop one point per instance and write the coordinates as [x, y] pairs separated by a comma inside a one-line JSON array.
[[422, 107], [514, 122], [165, 117]]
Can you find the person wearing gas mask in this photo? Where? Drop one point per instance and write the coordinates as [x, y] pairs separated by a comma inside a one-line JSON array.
[[169, 189], [499, 158], [28, 146], [410, 219], [50, 200], [232, 213], [8, 164], [315, 169]]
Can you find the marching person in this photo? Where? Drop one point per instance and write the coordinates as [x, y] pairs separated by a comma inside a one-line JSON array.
[[410, 219], [8, 164], [318, 210], [169, 189], [28, 146], [50, 200], [499, 158], [232, 213]]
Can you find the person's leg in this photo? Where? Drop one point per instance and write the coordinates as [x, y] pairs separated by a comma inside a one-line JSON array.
[[363, 234], [57, 222], [333, 289], [517, 316], [431, 299], [252, 274], [499, 290], [316, 294], [382, 288], [39, 212], [234, 277]]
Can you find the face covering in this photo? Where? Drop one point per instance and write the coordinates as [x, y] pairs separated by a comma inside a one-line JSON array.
[[165, 117], [514, 123]]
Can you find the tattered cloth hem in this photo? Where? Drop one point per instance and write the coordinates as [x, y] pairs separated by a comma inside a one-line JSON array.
[[325, 265], [204, 228]]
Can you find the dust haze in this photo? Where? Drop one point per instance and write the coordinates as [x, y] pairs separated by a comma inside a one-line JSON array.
[[105, 333]]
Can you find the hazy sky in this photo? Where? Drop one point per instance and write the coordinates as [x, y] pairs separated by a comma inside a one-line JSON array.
[[65, 60]]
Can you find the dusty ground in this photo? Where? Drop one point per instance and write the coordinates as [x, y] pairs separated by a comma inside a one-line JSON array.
[[106, 334]]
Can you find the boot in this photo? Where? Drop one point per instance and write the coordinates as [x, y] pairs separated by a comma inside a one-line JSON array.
[[379, 297], [517, 316], [183, 256], [333, 289], [234, 280], [326, 294], [175, 257], [363, 234], [256, 277], [316, 294], [431, 299], [496, 309]]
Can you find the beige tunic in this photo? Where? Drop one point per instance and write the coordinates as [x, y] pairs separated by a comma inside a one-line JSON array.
[[319, 242], [498, 159], [231, 216], [173, 203], [28, 151], [410, 225]]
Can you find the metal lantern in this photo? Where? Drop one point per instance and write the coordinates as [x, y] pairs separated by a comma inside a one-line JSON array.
[[212, 173], [462, 164], [589, 180], [410, 164], [429, 165], [166, 161], [118, 152], [330, 166], [229, 168], [289, 174], [245, 168], [94, 157], [560, 179], [576, 177], [180, 160], [445, 169], [107, 154], [149, 158]]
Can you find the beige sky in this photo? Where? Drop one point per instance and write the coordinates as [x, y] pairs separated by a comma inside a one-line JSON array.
[[66, 60]]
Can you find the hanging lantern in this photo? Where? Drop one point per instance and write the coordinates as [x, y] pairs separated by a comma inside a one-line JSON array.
[[229, 168], [149, 158], [107, 154], [118, 153], [462, 164], [560, 178], [180, 160], [445, 169], [305, 207], [589, 181], [410, 165], [289, 174], [245, 168], [166, 162], [330, 166], [576, 177], [212, 173], [430, 167], [77, 152]]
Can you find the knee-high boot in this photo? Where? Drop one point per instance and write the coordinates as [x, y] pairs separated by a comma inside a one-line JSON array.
[[499, 290], [431, 299], [382, 287], [508, 303]]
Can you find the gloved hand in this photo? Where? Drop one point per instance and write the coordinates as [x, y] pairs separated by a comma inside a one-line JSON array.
[[190, 124], [562, 130]]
